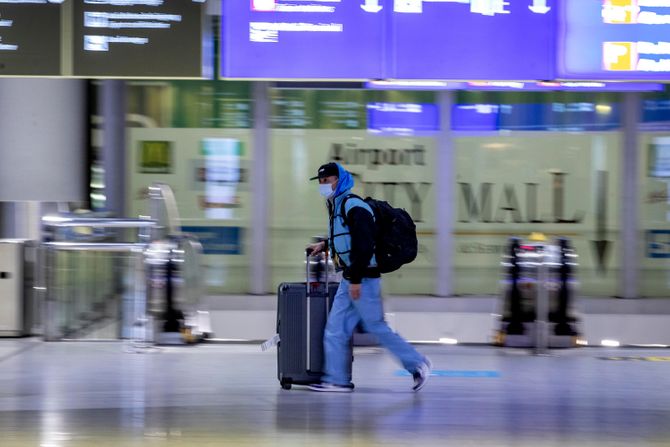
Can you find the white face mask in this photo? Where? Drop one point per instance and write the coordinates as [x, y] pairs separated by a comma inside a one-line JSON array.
[[326, 190]]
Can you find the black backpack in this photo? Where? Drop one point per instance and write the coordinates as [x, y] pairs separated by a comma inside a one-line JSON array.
[[396, 242]]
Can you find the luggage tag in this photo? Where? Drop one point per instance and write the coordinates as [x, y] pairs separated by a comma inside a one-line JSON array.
[[270, 342]]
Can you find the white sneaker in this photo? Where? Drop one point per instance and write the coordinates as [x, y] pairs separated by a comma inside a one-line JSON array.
[[331, 387], [422, 374]]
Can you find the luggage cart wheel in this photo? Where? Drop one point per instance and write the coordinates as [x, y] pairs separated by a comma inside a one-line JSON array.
[[286, 385]]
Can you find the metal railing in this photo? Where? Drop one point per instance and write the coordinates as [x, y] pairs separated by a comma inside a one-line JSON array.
[[93, 276], [86, 288]]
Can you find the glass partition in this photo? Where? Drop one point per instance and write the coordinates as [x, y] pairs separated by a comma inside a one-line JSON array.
[[525, 162], [545, 163], [386, 139], [196, 137], [654, 195]]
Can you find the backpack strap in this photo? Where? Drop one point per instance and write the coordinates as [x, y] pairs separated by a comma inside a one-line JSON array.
[[343, 210]]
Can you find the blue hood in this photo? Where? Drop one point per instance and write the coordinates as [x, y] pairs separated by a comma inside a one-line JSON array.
[[345, 181]]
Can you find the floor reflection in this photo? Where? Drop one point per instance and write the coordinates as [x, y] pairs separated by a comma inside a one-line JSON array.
[[94, 394]]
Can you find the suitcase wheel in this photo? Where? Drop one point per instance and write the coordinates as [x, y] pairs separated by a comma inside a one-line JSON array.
[[285, 385]]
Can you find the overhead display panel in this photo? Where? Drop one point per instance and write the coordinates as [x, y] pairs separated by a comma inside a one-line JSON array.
[[615, 40], [388, 39], [140, 38], [305, 39], [540, 86], [30, 38], [472, 39]]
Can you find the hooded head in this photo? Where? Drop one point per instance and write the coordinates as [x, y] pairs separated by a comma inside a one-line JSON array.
[[345, 181]]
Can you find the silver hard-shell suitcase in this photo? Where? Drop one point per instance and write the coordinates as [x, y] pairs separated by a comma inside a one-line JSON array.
[[302, 312]]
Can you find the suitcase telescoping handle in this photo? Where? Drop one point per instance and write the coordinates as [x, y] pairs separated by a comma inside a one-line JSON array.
[[308, 253]]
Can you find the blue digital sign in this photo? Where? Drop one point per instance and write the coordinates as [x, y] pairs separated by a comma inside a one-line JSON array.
[[658, 244], [578, 116], [503, 86], [284, 39], [656, 112], [388, 39], [614, 39], [476, 117], [218, 240], [403, 117], [476, 39]]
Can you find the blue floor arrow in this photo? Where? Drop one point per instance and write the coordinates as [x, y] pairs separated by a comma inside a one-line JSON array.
[[456, 373]]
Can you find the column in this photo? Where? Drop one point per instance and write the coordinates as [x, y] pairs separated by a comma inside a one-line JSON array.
[[43, 127], [630, 183], [42, 140], [445, 199], [113, 110], [260, 182]]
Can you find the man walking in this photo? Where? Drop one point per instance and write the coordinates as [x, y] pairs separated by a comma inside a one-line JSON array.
[[358, 298]]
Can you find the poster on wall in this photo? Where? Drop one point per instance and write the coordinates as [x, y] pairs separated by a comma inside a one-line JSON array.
[[206, 168], [221, 175], [659, 157], [155, 157]]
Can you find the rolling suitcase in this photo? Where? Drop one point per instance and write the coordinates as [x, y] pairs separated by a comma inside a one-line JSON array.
[[302, 312]]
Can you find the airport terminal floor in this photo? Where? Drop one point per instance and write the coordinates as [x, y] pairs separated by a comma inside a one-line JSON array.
[[66, 394]]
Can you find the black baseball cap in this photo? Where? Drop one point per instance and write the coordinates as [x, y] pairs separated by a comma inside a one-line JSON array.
[[327, 170]]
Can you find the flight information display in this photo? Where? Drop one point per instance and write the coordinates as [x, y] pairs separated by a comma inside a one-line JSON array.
[[30, 38], [472, 39], [615, 39], [403, 117], [382, 39], [314, 39], [140, 38]]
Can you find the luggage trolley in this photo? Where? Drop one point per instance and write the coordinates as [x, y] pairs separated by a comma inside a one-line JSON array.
[[537, 295], [173, 292]]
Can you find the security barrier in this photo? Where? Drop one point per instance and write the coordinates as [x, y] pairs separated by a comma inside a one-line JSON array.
[[536, 294], [136, 279]]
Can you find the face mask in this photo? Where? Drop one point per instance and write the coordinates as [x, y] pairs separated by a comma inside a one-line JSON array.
[[326, 190]]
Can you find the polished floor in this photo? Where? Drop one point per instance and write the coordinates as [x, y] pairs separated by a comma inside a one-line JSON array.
[[98, 394]]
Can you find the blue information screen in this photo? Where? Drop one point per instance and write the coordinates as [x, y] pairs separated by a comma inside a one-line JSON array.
[[218, 240], [615, 39], [518, 86], [316, 39], [580, 116], [472, 40], [403, 117], [388, 39]]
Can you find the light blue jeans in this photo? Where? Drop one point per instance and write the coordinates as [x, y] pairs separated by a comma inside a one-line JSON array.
[[345, 315]]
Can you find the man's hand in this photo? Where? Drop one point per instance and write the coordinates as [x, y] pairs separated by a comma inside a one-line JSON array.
[[355, 291], [315, 249]]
